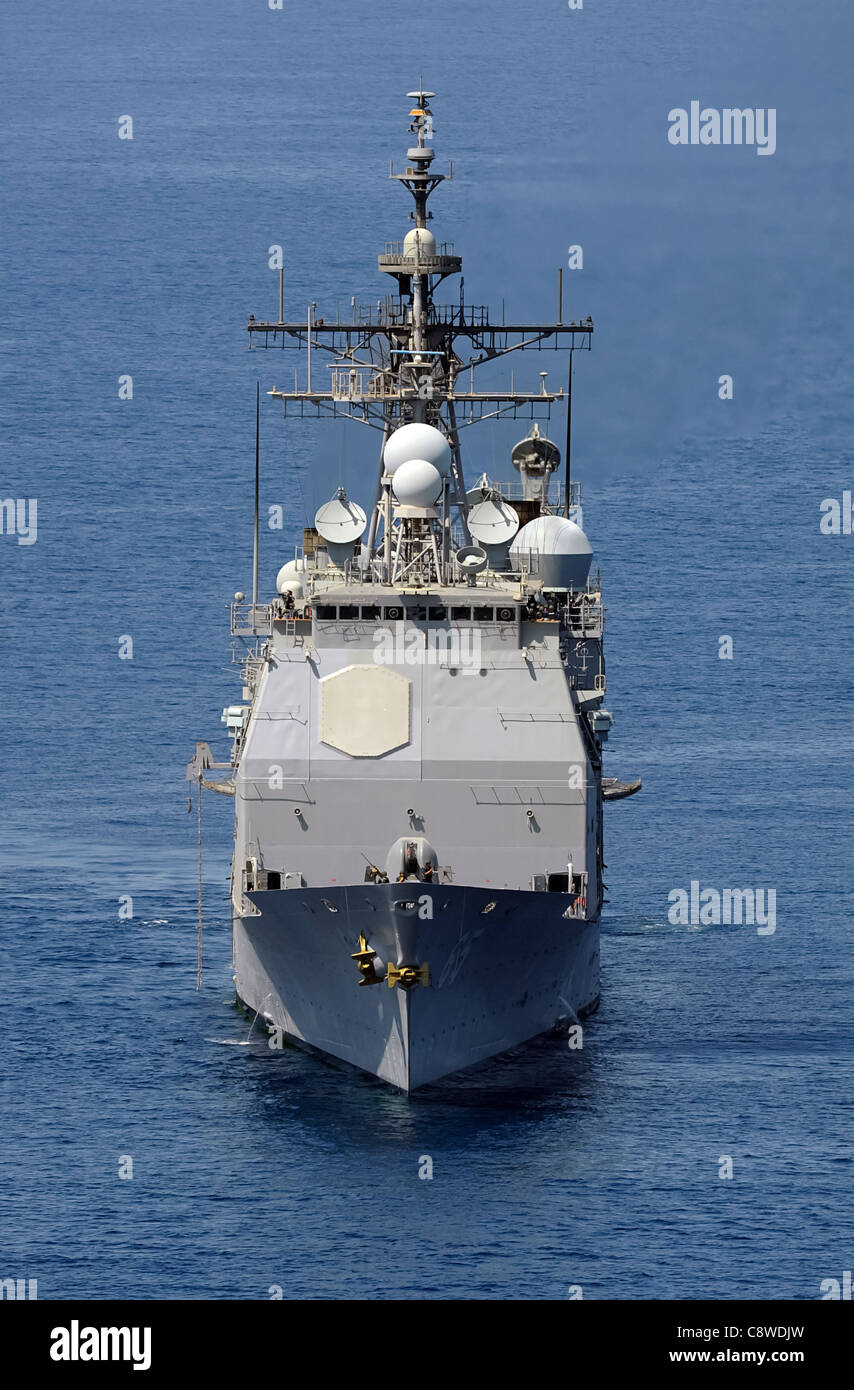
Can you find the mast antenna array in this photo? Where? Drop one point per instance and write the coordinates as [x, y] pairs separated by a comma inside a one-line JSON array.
[[409, 360], [406, 356]]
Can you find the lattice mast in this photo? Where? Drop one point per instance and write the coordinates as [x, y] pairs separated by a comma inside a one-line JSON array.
[[408, 359]]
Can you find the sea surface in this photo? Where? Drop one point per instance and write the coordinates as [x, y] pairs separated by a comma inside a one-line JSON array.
[[255, 1170]]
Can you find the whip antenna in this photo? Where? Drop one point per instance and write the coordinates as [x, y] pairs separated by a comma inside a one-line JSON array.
[[257, 474]]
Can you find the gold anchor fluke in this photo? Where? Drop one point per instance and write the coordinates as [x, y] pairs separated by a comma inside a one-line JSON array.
[[364, 958]]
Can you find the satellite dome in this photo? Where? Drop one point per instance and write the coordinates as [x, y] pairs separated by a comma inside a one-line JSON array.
[[556, 550], [421, 240], [290, 578], [417, 482], [417, 441]]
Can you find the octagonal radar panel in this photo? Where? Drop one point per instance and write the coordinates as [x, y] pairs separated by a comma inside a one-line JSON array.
[[341, 524], [417, 441]]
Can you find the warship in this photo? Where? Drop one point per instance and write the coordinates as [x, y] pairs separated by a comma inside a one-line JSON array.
[[416, 767]]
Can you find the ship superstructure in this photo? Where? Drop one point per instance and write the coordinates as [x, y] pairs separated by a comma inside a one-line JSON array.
[[417, 873]]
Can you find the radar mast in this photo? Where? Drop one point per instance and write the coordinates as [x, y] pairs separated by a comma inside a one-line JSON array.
[[407, 359]]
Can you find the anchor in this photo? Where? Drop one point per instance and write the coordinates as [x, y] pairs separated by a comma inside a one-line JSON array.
[[365, 957], [408, 975]]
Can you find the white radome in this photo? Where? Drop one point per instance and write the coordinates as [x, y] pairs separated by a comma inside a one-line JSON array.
[[417, 441], [417, 483], [552, 535], [290, 578], [421, 240], [556, 548]]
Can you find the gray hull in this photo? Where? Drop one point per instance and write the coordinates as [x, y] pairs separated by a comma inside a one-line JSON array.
[[497, 978]]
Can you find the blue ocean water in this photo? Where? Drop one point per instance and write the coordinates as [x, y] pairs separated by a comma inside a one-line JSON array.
[[252, 127]]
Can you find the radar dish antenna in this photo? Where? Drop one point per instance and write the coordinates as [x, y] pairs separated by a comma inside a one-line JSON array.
[[536, 459], [492, 525], [341, 524], [493, 522]]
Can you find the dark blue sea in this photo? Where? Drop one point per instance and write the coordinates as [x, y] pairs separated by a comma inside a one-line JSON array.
[[252, 127]]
